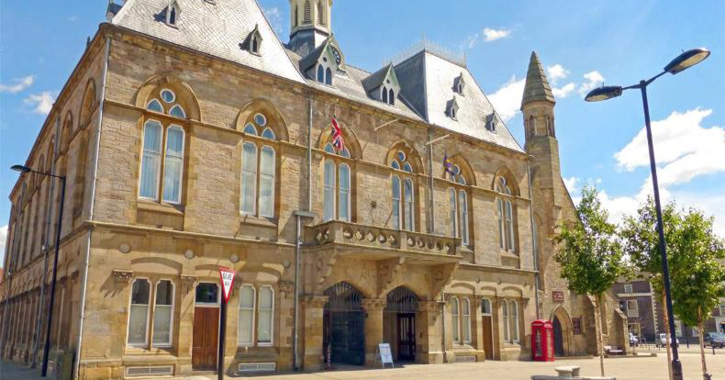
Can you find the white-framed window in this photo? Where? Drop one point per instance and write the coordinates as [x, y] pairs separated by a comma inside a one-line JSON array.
[[505, 321], [337, 185], [514, 321], [453, 204], [396, 202], [632, 309], [162, 160], [172, 14], [463, 199], [138, 316], [455, 325], [505, 216], [265, 327], [510, 321], [628, 288], [486, 307], [324, 74], [466, 322], [403, 198], [247, 304], [163, 314], [259, 168]]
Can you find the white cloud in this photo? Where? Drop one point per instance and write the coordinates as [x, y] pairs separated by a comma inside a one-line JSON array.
[[594, 80], [563, 92], [20, 85], [41, 103], [3, 238], [491, 35], [556, 72], [572, 184], [471, 41], [683, 147], [507, 99], [274, 15]]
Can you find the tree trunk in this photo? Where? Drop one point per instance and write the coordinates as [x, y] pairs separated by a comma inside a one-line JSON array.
[[600, 340], [702, 344], [667, 333]]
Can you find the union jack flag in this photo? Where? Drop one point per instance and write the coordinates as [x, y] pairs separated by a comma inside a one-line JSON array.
[[447, 164], [337, 140]]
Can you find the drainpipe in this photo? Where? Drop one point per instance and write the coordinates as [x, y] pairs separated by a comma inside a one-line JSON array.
[[443, 325], [84, 287], [534, 245], [431, 206], [309, 156], [299, 214], [48, 222]]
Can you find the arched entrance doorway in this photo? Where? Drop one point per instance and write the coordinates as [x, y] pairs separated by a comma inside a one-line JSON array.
[[399, 322], [558, 338], [344, 325]]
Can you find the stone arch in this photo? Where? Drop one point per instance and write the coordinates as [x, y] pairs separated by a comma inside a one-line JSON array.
[[184, 93], [512, 291], [402, 300], [66, 131], [352, 143], [511, 180], [559, 313], [88, 104], [410, 152], [466, 169], [275, 120], [463, 288]]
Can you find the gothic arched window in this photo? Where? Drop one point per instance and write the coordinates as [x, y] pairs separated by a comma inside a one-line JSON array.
[[505, 215], [259, 168], [403, 186], [337, 189]]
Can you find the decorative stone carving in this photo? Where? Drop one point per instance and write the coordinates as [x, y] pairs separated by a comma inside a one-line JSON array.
[[315, 302], [429, 306], [286, 286], [373, 304], [124, 248], [122, 276], [188, 282]]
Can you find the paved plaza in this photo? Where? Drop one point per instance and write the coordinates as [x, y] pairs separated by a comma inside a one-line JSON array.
[[649, 368]]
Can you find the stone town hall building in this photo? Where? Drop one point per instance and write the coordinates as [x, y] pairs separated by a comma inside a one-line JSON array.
[[192, 138]]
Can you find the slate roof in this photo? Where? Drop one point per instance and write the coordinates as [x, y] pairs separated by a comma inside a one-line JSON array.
[[537, 87], [216, 28], [376, 79]]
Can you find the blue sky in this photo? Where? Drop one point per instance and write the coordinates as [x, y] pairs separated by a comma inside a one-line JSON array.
[[582, 45]]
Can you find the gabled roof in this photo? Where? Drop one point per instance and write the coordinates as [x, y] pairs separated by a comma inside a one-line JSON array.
[[427, 81], [537, 87], [216, 29], [314, 56], [376, 79]]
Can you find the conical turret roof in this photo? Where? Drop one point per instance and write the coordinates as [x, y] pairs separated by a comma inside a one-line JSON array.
[[537, 87]]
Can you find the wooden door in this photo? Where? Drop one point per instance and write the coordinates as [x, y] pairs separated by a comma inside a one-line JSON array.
[[488, 336], [205, 343], [406, 337], [558, 339]]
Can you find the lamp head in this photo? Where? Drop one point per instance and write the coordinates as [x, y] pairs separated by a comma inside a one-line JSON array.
[[20, 168], [603, 93], [686, 60]]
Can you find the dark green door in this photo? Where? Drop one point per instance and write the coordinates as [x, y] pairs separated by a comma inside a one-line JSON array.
[[344, 326]]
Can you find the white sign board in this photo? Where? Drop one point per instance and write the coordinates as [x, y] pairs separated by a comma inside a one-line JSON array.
[[383, 355], [227, 276]]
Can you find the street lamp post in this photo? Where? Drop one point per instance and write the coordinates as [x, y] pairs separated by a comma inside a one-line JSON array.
[[46, 348], [682, 62]]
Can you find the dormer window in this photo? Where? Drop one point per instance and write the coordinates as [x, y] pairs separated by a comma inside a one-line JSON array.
[[459, 84], [452, 109], [172, 14], [254, 41], [387, 95], [491, 123], [324, 74]]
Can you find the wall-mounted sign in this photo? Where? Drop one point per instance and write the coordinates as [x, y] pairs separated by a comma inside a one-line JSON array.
[[558, 296], [577, 325]]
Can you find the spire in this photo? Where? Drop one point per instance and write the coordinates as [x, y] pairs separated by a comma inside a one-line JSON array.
[[537, 87]]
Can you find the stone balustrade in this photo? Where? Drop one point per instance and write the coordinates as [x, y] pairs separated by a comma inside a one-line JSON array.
[[351, 234]]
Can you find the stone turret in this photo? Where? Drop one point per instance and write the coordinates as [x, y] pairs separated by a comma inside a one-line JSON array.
[[310, 24]]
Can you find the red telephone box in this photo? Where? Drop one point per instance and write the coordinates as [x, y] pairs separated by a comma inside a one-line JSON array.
[[542, 341]]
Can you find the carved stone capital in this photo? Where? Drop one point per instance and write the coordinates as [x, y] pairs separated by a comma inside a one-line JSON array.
[[315, 302], [374, 304], [429, 306], [286, 286], [122, 276], [188, 282]]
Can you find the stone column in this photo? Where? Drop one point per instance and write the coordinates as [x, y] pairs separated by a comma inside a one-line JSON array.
[[311, 326], [184, 329], [428, 322], [373, 326], [478, 328]]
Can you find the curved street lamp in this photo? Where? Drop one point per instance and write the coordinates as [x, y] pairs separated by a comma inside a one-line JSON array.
[[46, 349], [683, 62]]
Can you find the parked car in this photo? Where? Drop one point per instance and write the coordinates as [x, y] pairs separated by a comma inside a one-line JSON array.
[[662, 341], [713, 339], [633, 340]]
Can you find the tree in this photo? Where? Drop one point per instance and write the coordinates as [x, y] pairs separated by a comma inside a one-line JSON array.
[[590, 254], [642, 247], [698, 279]]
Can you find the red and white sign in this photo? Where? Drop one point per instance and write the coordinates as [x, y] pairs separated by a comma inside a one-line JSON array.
[[227, 276]]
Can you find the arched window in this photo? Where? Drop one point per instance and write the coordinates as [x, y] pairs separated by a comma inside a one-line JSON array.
[[89, 99], [163, 149], [505, 216], [532, 125], [510, 321], [455, 325], [296, 17], [163, 314], [338, 183], [385, 94], [320, 73], [265, 327], [391, 97], [404, 212], [138, 316], [172, 14], [259, 168], [328, 77], [453, 203], [247, 298], [466, 321], [514, 321], [505, 322], [308, 13], [458, 199]]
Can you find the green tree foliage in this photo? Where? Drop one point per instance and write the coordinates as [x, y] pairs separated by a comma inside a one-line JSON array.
[[590, 254]]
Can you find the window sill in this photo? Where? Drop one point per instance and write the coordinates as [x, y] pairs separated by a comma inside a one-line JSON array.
[[260, 222], [509, 255], [162, 351], [160, 207]]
